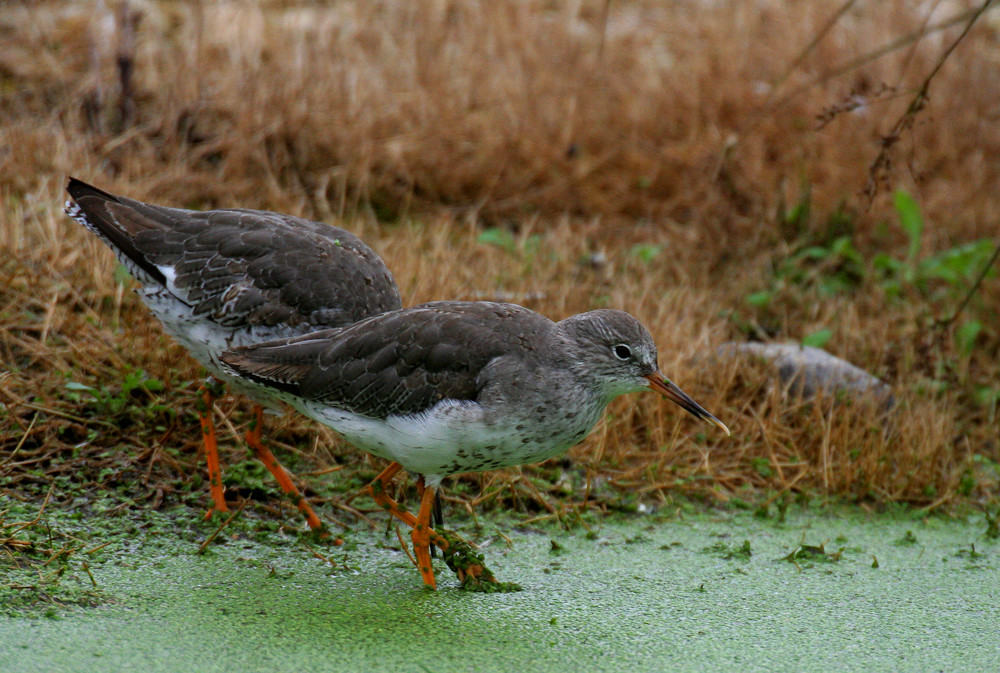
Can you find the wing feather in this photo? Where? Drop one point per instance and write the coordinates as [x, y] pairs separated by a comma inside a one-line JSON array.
[[403, 362], [243, 267]]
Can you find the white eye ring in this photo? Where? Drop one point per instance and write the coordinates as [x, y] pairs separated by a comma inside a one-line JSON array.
[[622, 352]]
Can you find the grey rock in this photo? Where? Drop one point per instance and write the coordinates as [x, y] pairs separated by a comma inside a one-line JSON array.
[[808, 371]]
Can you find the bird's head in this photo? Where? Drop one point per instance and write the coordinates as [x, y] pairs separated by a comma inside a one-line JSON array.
[[619, 356]]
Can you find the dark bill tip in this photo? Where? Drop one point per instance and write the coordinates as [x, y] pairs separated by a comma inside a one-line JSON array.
[[668, 389]]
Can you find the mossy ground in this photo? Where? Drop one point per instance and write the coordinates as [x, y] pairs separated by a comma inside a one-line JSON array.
[[684, 588]]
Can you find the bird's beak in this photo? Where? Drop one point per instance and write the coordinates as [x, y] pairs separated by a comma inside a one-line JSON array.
[[668, 389]]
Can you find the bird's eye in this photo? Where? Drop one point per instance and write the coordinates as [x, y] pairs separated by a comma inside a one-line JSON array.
[[622, 352]]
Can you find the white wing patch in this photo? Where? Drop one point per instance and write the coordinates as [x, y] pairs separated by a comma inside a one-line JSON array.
[[170, 274]]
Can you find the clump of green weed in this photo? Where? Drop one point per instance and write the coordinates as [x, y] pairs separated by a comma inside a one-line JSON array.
[[804, 555], [739, 552], [45, 567]]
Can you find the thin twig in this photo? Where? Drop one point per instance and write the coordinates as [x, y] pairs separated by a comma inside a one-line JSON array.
[[24, 437], [827, 27], [98, 547], [69, 417], [351, 510], [881, 163], [208, 541], [874, 55], [972, 290], [928, 13], [86, 569], [65, 550], [319, 473], [318, 555], [128, 25], [604, 29], [405, 548], [38, 517]]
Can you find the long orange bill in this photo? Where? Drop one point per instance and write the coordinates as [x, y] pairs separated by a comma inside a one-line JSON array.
[[668, 389]]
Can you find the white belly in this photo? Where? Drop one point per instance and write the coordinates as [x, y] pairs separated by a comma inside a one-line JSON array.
[[206, 339], [450, 438]]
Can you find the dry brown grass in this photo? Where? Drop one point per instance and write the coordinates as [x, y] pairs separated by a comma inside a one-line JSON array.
[[677, 125]]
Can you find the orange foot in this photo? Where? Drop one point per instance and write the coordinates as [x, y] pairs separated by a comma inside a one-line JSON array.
[[458, 554]]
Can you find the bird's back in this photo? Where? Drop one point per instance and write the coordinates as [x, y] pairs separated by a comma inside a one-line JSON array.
[[222, 278], [398, 363]]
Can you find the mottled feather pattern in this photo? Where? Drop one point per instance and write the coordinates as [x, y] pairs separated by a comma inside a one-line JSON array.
[[224, 278], [244, 267], [121, 244], [265, 269], [403, 362], [451, 387]]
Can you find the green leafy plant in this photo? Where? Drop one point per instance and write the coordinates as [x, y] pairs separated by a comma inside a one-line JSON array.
[[499, 238], [504, 239], [762, 466], [955, 267], [965, 336], [115, 402], [832, 268], [645, 252], [818, 338], [740, 552], [826, 259]]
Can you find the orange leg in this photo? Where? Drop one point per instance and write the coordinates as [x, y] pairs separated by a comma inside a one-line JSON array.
[[458, 555], [208, 394], [421, 534], [436, 513], [377, 490], [265, 456]]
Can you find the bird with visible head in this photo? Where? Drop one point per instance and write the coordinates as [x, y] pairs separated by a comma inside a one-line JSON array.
[[451, 387]]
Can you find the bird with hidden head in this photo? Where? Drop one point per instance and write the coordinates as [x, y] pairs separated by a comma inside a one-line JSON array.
[[219, 278]]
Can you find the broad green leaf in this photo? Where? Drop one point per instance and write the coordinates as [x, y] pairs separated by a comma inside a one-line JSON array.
[[817, 339], [958, 264], [645, 252], [911, 220], [121, 275], [759, 299], [501, 238], [966, 334], [73, 385], [844, 247]]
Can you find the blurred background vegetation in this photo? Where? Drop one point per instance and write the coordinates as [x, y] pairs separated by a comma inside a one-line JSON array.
[[820, 172]]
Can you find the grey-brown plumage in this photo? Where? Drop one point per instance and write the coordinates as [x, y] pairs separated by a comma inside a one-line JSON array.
[[222, 278], [453, 387], [404, 362]]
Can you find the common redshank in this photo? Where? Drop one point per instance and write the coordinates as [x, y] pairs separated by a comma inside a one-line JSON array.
[[223, 278], [451, 387]]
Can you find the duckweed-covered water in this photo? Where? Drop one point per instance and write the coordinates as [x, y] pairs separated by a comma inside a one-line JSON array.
[[697, 593]]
